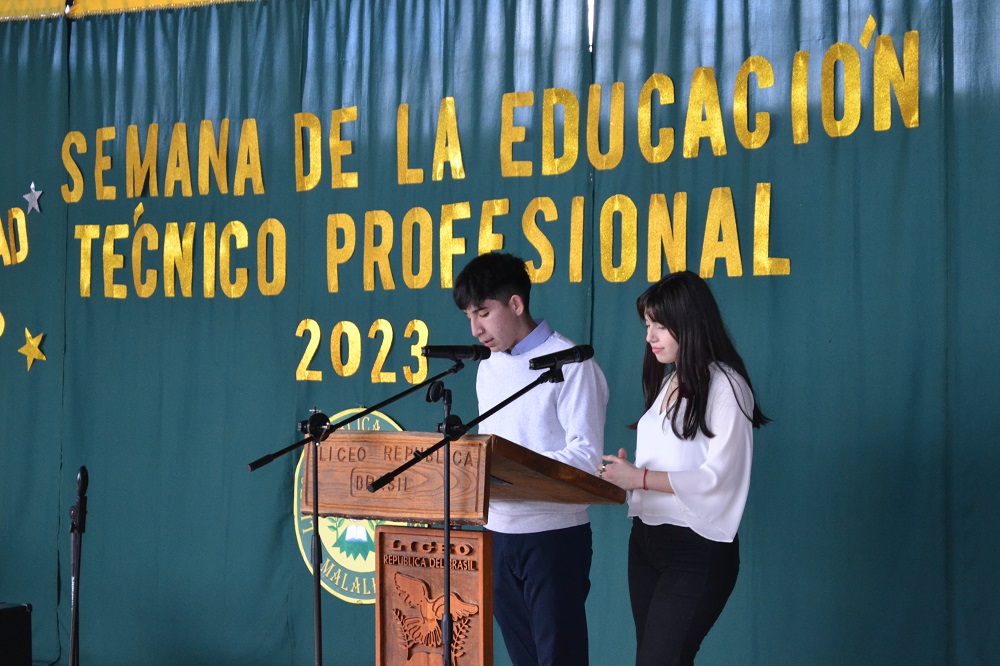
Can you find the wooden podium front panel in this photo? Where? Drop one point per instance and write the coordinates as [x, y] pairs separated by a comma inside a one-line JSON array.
[[350, 460], [409, 578]]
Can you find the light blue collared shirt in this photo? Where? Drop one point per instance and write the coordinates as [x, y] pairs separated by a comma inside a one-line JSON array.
[[540, 334]]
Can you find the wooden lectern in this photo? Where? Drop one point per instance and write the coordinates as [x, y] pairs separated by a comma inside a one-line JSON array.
[[410, 563]]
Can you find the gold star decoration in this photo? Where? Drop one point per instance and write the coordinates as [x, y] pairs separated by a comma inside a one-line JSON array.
[[32, 348], [32, 199]]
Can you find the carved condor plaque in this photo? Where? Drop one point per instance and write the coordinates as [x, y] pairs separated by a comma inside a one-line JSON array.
[[409, 575]]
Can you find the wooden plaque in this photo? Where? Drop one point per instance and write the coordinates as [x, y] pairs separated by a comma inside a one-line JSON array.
[[349, 460], [409, 604], [483, 468]]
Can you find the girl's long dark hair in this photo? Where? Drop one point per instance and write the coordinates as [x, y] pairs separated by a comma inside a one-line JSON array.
[[685, 305]]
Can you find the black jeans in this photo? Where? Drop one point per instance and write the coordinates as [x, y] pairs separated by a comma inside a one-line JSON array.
[[679, 583]]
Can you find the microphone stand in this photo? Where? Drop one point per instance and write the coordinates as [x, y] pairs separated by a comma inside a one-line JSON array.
[[456, 429], [271, 457], [452, 428], [315, 422], [435, 392], [77, 526], [318, 427]]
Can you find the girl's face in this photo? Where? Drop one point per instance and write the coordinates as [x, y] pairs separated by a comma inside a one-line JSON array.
[[661, 341]]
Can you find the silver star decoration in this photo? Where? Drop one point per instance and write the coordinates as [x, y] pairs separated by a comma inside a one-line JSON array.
[[32, 198]]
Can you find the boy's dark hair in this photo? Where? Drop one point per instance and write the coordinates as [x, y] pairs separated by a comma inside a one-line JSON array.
[[494, 276]]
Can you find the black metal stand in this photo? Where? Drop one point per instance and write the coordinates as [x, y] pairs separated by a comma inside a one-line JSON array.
[[434, 393], [271, 457], [456, 429], [77, 526], [452, 428], [318, 427]]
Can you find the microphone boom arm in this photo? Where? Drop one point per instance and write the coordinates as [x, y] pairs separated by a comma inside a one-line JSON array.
[[264, 460], [456, 429]]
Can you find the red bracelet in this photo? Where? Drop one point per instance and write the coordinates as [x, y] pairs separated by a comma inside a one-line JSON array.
[[645, 470]]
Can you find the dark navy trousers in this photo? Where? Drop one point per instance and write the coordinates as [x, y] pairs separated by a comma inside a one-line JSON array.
[[540, 586]]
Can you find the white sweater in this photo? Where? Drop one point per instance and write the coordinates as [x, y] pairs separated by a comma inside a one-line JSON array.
[[564, 421]]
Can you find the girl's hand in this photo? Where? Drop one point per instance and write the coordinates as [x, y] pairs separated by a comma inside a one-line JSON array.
[[619, 471]]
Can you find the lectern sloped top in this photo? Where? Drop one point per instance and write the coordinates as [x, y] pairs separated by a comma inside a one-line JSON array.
[[483, 468]]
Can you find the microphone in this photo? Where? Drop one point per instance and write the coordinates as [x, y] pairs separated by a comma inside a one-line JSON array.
[[78, 512], [456, 352], [560, 358]]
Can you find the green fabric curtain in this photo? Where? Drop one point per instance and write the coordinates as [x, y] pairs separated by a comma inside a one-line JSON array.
[[847, 539], [33, 485], [854, 265]]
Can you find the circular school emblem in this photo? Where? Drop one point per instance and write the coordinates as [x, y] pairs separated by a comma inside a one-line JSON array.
[[348, 568]]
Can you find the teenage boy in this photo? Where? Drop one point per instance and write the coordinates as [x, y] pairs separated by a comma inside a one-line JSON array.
[[541, 550]]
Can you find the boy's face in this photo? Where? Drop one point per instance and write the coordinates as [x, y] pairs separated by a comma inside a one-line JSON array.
[[499, 325]]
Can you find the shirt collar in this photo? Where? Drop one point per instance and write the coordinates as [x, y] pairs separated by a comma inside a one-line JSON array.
[[540, 334]]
